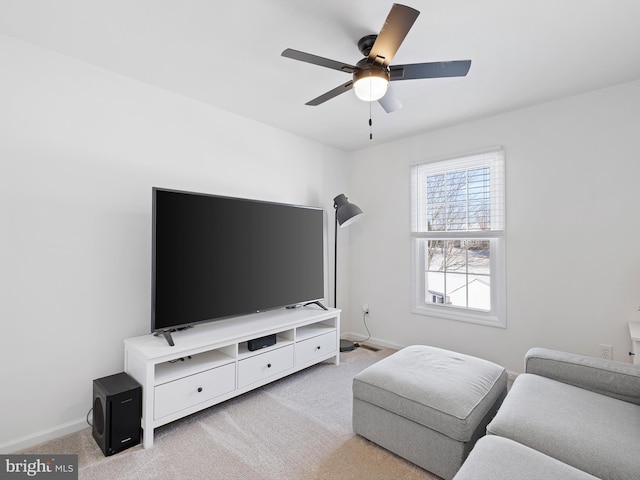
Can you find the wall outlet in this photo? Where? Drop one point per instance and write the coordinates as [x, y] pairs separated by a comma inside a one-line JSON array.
[[605, 351], [365, 308]]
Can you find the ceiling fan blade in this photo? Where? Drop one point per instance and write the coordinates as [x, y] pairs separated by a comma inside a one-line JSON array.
[[457, 68], [316, 60], [331, 94], [390, 102], [395, 29]]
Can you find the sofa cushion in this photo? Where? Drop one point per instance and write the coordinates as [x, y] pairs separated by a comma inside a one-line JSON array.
[[446, 391], [498, 458], [592, 432]]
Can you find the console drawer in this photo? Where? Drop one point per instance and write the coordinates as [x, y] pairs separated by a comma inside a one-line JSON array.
[[264, 365], [312, 348], [188, 391]]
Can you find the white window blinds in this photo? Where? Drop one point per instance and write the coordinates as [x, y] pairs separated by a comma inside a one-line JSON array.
[[459, 197]]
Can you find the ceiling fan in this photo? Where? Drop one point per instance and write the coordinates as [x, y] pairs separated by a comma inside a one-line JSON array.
[[372, 74]]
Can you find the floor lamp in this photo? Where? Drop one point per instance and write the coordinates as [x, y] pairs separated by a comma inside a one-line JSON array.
[[346, 213]]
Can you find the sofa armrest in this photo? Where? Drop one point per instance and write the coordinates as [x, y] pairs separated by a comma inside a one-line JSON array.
[[614, 379]]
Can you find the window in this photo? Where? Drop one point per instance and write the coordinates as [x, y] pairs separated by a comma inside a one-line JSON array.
[[458, 224]]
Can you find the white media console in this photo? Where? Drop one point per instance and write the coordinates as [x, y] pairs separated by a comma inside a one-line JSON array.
[[211, 362]]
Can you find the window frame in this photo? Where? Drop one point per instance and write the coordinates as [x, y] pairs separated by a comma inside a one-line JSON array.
[[496, 316]]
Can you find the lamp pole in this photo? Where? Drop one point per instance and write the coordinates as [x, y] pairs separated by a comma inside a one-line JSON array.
[[335, 258], [345, 214]]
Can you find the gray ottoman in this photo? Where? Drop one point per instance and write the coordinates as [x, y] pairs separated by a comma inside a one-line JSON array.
[[428, 405]]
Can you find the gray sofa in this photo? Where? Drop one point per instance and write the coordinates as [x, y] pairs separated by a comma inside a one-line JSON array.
[[567, 417]]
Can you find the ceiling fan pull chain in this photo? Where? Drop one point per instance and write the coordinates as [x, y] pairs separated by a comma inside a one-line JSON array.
[[370, 123]]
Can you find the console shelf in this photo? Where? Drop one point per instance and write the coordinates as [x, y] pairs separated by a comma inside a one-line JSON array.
[[211, 362], [244, 352]]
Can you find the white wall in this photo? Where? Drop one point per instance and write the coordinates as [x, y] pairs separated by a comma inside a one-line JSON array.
[[80, 149], [573, 266]]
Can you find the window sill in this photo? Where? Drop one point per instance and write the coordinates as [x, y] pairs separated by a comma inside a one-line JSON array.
[[461, 315]]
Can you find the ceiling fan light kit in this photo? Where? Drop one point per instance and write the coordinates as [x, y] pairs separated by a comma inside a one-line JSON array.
[[370, 81], [372, 74]]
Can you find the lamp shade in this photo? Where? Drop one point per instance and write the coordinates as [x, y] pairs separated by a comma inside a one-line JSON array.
[[346, 212]]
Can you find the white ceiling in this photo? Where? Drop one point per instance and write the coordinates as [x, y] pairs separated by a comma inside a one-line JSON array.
[[228, 54]]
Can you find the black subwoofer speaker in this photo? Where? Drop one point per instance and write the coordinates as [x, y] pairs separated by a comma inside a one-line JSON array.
[[117, 408]]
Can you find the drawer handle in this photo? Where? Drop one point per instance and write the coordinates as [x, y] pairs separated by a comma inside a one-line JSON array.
[[268, 365], [199, 389]]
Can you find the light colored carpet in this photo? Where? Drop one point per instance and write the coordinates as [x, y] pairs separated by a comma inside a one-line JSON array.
[[296, 428]]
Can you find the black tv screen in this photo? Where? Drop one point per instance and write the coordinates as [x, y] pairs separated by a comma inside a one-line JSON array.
[[216, 257]]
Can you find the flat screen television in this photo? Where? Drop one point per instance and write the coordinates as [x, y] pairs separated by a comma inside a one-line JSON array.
[[216, 257]]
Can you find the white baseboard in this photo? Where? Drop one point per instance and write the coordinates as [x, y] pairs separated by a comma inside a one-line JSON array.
[[34, 439], [357, 337]]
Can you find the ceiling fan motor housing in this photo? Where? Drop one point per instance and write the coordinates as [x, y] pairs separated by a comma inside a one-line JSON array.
[[364, 69]]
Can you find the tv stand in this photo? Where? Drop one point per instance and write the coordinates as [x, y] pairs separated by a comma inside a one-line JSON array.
[[211, 362]]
